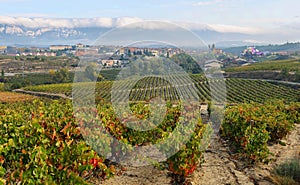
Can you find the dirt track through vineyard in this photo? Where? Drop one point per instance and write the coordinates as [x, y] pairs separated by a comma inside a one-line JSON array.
[[219, 167]]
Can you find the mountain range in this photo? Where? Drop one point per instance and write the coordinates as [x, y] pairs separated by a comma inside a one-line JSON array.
[[47, 31]]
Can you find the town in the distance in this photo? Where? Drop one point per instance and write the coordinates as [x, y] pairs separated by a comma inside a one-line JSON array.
[[227, 57]]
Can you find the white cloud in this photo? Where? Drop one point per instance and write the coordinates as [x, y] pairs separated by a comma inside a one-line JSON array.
[[154, 25], [222, 28], [235, 29], [193, 25], [202, 3], [207, 2], [42, 22], [126, 20]]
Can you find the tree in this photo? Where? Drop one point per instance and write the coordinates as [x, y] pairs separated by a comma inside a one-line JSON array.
[[285, 72], [134, 68], [52, 72], [129, 53], [213, 46], [2, 74], [90, 72], [100, 77], [188, 63], [297, 74], [61, 76]]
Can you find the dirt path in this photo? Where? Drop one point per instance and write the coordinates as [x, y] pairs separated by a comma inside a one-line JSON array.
[[219, 167], [141, 176], [43, 94]]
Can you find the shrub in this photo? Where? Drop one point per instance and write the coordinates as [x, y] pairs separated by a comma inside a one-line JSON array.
[[2, 87], [42, 144], [185, 161], [250, 127], [188, 155]]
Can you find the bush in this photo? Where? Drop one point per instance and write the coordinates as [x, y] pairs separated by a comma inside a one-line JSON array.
[[42, 144], [185, 161], [250, 127], [2, 87], [188, 155]]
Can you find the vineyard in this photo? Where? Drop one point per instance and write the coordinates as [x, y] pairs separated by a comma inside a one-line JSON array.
[[43, 143], [197, 87], [47, 142], [9, 97]]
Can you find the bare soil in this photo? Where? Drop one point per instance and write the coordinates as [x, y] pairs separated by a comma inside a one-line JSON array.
[[220, 167]]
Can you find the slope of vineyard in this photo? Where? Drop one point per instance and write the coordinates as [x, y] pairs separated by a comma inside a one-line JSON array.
[[238, 90], [9, 97]]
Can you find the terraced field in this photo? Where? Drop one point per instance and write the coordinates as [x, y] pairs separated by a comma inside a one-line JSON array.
[[197, 87], [9, 97]]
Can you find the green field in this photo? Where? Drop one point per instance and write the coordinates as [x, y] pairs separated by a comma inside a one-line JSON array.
[[238, 90]]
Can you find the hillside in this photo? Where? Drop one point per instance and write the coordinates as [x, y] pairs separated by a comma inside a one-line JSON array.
[[289, 47], [275, 65], [282, 70]]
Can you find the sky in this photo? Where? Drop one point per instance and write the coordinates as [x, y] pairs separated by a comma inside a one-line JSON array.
[[232, 12], [265, 15]]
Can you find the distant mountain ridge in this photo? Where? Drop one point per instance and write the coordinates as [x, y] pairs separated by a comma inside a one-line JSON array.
[[44, 31], [12, 34]]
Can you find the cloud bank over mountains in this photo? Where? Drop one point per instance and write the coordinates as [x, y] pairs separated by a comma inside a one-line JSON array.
[[111, 22], [20, 30], [67, 23]]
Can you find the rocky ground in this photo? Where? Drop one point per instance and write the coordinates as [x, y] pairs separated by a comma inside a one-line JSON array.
[[219, 167]]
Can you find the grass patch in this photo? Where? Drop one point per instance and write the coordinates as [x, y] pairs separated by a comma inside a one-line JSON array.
[[287, 173]]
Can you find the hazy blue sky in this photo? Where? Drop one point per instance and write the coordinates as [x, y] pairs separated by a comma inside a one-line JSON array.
[[273, 20], [233, 12]]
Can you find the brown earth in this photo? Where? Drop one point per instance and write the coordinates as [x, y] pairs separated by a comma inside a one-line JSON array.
[[219, 168]]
